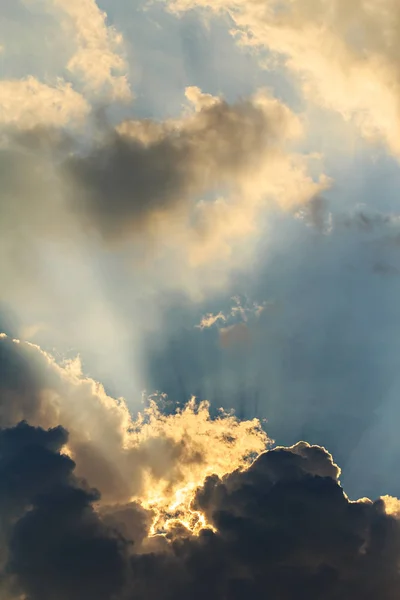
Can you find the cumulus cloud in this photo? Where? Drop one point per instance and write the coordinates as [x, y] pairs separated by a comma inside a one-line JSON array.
[[146, 173], [152, 456], [288, 521], [282, 524], [28, 103], [97, 55], [345, 57], [54, 541]]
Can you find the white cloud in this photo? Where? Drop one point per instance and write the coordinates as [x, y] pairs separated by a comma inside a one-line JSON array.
[[27, 103], [97, 57]]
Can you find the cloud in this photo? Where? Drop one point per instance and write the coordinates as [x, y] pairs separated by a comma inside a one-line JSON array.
[[152, 456], [55, 543], [190, 501], [345, 58], [97, 58], [242, 310], [235, 327], [28, 103], [169, 202], [209, 320], [288, 524], [36, 471], [283, 524], [142, 192], [148, 174]]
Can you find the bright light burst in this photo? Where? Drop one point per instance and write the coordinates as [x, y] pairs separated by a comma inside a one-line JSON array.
[[206, 446]]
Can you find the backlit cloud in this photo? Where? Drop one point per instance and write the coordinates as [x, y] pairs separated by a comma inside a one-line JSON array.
[[147, 187], [28, 103], [97, 56], [173, 452], [152, 175], [205, 238], [231, 517], [344, 56]]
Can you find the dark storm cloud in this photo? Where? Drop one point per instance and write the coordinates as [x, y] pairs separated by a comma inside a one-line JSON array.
[[61, 549], [55, 544], [288, 527], [28, 465], [283, 527]]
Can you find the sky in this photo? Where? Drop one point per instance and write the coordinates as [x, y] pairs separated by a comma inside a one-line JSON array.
[[199, 309]]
